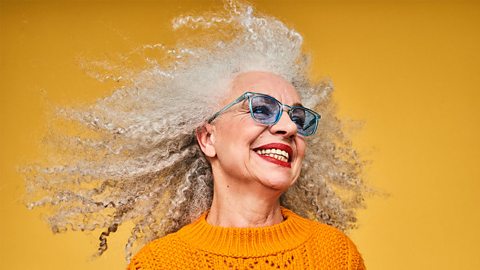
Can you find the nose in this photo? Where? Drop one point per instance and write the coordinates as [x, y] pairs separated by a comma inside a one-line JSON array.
[[285, 126]]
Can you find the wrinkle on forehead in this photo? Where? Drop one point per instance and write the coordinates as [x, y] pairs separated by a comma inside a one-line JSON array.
[[265, 83]]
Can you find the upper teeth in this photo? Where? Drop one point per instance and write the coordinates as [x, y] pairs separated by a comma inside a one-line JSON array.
[[274, 153]]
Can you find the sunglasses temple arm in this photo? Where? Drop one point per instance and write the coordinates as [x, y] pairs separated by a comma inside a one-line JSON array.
[[239, 99]]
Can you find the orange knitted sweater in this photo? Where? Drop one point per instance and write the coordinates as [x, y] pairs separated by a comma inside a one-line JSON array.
[[296, 243]]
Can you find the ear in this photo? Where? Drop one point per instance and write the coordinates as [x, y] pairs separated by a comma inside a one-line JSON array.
[[206, 139]]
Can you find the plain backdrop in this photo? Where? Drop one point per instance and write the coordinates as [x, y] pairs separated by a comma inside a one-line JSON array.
[[409, 70]]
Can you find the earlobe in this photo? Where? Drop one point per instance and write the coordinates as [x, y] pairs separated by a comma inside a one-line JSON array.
[[206, 139]]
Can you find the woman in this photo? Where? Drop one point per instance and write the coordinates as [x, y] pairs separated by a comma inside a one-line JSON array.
[[256, 147], [214, 136]]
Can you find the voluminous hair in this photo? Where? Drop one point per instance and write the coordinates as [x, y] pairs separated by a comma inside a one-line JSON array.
[[132, 157]]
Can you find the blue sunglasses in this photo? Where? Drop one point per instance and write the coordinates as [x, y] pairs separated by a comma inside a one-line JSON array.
[[267, 110]]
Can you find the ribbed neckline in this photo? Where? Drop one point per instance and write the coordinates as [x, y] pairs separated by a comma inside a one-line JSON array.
[[247, 242]]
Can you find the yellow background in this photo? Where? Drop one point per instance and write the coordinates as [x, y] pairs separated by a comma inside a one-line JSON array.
[[408, 69]]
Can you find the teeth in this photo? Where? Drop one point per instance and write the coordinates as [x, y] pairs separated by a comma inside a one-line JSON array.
[[274, 153]]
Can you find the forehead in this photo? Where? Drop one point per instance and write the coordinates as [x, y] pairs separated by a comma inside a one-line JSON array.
[[265, 83]]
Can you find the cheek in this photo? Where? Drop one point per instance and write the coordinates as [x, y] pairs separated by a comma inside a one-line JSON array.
[[301, 148], [236, 137], [244, 132]]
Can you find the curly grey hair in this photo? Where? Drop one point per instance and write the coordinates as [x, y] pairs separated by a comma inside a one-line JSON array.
[[133, 156]]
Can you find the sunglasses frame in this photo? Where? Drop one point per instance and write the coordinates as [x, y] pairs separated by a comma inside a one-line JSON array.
[[248, 95]]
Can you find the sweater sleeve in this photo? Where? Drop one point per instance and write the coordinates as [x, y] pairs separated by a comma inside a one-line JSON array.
[[355, 259], [142, 260], [135, 264]]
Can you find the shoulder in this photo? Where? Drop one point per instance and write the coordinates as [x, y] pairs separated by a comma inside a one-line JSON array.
[[169, 252], [158, 254], [339, 247], [328, 234], [326, 245]]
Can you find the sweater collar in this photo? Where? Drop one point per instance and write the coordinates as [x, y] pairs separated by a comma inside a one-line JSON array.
[[247, 242]]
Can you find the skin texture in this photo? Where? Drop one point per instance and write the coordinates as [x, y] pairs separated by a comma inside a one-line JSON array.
[[247, 187]]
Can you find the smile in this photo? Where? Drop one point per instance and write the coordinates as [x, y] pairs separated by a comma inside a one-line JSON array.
[[274, 153], [278, 153]]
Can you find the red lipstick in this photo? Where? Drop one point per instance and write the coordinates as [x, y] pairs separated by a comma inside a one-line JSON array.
[[279, 146]]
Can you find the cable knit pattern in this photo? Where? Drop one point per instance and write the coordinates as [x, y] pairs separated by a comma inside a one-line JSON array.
[[296, 243]]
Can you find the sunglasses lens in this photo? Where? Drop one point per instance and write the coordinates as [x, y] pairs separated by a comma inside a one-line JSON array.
[[305, 120], [265, 109]]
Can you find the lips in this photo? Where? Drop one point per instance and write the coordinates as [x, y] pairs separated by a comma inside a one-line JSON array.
[[278, 153]]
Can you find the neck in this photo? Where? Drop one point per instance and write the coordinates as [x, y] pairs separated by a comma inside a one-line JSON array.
[[244, 206]]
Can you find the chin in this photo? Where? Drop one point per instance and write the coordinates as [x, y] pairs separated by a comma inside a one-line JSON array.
[[278, 183]]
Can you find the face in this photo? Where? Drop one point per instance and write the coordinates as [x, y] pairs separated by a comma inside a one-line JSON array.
[[247, 152]]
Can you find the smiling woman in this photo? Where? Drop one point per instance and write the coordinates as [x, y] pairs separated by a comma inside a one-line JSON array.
[[237, 136], [212, 156]]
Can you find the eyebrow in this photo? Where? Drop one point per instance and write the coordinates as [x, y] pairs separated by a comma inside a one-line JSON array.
[[297, 104]]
